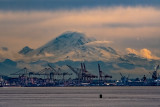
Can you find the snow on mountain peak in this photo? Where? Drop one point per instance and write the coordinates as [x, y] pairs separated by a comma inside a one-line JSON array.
[[65, 42], [69, 39], [73, 46]]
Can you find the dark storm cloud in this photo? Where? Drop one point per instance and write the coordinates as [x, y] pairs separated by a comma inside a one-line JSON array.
[[131, 25], [71, 4]]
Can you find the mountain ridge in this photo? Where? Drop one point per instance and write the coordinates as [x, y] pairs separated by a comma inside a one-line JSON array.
[[25, 50]]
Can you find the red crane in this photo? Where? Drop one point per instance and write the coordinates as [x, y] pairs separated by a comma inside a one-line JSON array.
[[85, 74], [102, 75]]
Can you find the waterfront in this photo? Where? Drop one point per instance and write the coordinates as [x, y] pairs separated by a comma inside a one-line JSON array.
[[79, 96]]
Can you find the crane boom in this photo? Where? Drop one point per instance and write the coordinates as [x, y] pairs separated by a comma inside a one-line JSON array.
[[121, 74], [76, 72], [99, 68], [51, 67], [157, 67], [23, 71]]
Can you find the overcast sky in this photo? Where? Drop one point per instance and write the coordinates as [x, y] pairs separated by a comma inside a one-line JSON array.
[[126, 23]]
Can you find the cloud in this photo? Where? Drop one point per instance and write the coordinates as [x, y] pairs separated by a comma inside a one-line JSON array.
[[3, 49], [145, 53], [6, 54], [99, 43], [9, 54], [3, 54], [118, 24], [50, 5], [48, 55], [131, 25], [133, 51]]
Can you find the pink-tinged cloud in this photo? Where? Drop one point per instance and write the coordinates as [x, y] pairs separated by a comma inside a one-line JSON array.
[[145, 53]]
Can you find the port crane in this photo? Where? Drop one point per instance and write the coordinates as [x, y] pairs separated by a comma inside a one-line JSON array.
[[102, 75], [1, 80], [24, 76], [124, 79], [47, 72], [64, 73], [82, 73], [1, 77], [59, 72], [77, 71], [85, 74], [24, 72], [50, 72], [154, 74]]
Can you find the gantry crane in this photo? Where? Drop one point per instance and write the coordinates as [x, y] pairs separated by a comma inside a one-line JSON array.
[[124, 79], [47, 72], [154, 74], [24, 72], [63, 73], [85, 74], [60, 72], [50, 72], [24, 76], [82, 73], [102, 75], [1, 80], [77, 71]]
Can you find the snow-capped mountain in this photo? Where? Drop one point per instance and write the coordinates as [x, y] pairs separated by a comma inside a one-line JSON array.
[[74, 46]]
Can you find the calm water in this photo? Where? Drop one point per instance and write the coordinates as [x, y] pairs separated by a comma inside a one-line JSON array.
[[80, 97]]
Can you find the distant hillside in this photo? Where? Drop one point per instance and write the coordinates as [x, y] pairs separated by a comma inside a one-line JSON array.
[[8, 66]]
